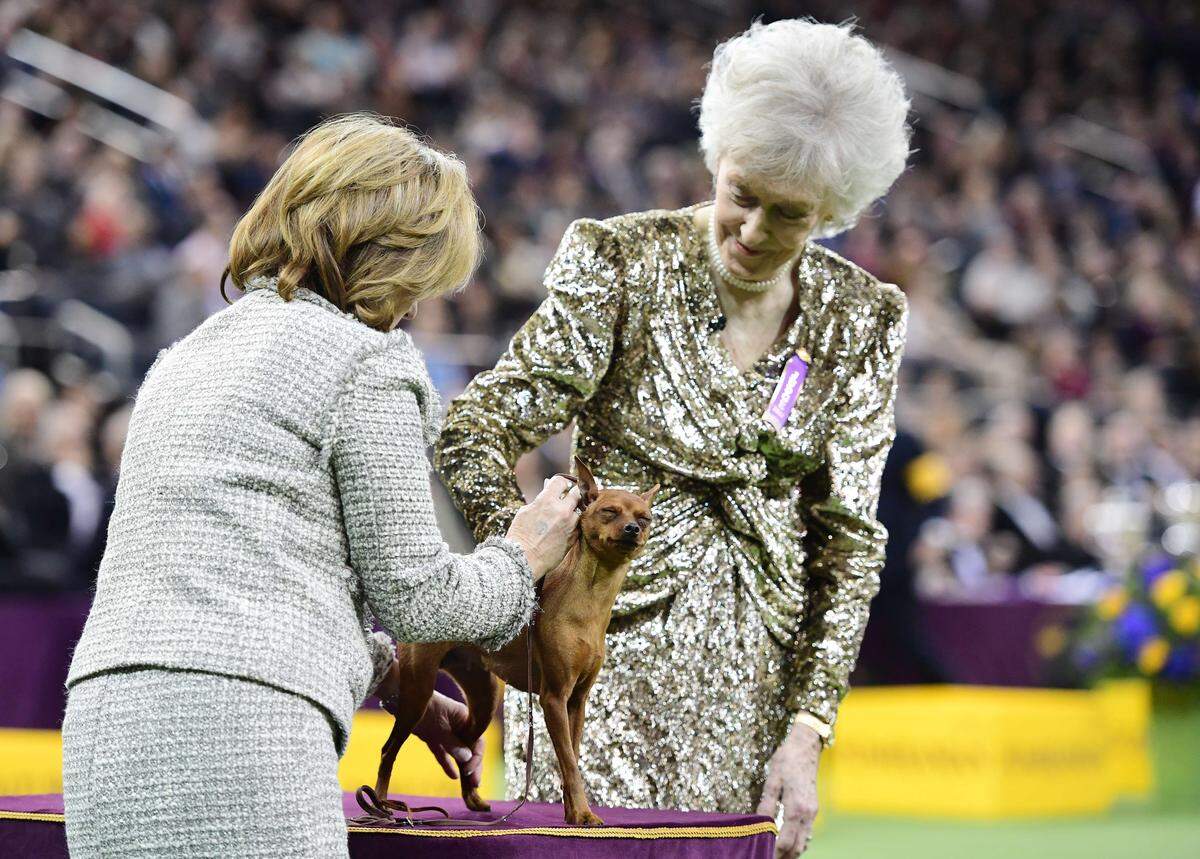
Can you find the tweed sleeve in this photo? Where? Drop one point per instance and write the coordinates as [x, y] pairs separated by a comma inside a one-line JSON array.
[[551, 369], [417, 588], [383, 651], [844, 540]]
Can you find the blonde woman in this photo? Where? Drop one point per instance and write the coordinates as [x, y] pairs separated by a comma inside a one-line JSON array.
[[274, 499], [718, 351]]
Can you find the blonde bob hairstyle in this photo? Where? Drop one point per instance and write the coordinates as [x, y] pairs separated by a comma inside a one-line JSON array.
[[364, 214], [808, 107]]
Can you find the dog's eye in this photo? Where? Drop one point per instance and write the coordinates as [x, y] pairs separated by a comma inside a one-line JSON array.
[[609, 513], [644, 521]]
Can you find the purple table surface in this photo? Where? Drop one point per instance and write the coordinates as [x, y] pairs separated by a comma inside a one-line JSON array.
[[32, 826]]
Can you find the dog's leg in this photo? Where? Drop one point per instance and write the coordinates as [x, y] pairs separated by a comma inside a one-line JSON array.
[[419, 668], [576, 706], [482, 690], [574, 797]]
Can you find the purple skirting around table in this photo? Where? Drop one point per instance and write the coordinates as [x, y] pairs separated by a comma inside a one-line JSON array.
[[38, 632], [984, 644], [33, 826], [976, 644]]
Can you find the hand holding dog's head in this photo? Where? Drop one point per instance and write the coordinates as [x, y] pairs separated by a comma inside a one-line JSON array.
[[615, 522]]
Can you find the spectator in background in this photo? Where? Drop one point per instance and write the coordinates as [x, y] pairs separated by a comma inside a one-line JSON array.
[[35, 515], [958, 554], [913, 485], [1015, 473], [66, 437], [113, 431]]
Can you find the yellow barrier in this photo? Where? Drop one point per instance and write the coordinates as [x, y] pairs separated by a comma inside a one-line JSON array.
[[960, 752], [32, 761], [416, 771], [989, 753], [1126, 708]]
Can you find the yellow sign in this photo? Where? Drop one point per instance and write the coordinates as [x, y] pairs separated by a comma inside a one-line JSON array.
[[989, 753], [937, 751], [33, 761]]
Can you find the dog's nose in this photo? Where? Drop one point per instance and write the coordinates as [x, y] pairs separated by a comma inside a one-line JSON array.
[[632, 528]]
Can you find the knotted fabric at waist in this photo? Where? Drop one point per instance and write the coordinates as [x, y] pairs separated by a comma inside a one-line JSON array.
[[700, 525]]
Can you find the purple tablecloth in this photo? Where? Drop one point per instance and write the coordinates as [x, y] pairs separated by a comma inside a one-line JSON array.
[[33, 826]]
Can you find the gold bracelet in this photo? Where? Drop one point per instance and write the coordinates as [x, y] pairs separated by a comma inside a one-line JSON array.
[[808, 720]]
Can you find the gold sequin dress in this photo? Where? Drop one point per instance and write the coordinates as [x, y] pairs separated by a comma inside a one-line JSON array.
[[751, 597]]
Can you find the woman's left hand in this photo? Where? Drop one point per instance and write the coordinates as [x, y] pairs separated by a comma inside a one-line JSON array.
[[792, 783], [441, 728]]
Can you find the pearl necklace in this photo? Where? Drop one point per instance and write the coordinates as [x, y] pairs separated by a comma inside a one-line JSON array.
[[714, 253]]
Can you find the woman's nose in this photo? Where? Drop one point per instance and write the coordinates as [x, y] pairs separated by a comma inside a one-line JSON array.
[[754, 229]]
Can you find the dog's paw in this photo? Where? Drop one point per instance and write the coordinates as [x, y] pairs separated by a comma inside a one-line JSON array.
[[584, 818], [475, 802]]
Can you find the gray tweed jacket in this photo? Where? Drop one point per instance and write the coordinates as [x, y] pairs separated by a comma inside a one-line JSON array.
[[274, 497]]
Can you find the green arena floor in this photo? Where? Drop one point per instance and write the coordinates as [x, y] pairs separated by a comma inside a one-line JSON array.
[[1167, 826]]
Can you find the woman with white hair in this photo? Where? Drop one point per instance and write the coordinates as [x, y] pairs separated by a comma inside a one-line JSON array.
[[718, 351]]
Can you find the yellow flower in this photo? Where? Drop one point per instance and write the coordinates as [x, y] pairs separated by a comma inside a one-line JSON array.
[[1050, 640], [1153, 656], [1168, 588], [928, 477], [1185, 616], [1112, 603]]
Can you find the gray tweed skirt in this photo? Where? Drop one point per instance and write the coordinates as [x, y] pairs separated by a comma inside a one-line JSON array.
[[186, 764]]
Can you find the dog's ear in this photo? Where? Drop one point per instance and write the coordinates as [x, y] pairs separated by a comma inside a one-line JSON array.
[[649, 494], [586, 482]]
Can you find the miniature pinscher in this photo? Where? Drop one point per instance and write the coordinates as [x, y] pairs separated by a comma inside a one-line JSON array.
[[576, 600]]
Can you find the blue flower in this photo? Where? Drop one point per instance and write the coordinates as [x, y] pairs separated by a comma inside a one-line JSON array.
[[1086, 657], [1133, 627], [1181, 664], [1155, 566]]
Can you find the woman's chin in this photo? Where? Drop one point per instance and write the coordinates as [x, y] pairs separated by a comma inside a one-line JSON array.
[[749, 273]]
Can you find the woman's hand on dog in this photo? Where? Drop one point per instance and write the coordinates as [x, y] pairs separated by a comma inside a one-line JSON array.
[[546, 527], [791, 788], [441, 727]]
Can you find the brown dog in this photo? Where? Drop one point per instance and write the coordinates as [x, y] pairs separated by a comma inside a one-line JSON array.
[[576, 600]]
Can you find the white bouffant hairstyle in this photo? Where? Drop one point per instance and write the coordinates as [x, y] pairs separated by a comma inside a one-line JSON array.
[[808, 106]]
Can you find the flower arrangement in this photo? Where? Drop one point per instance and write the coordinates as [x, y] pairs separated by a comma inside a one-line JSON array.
[[1147, 626]]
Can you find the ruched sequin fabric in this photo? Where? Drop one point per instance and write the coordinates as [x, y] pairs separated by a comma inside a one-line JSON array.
[[750, 600]]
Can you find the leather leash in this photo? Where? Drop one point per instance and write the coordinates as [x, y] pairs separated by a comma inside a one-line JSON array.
[[379, 810]]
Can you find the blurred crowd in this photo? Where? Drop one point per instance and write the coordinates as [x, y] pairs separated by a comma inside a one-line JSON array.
[[1047, 235]]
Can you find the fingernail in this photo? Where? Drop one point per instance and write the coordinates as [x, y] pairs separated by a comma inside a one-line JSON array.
[[462, 755]]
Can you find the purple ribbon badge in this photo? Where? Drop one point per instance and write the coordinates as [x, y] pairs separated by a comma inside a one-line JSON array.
[[788, 389]]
